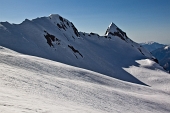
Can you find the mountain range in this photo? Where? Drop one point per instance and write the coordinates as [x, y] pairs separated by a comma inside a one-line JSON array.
[[160, 51], [57, 39], [47, 65], [163, 56], [151, 45]]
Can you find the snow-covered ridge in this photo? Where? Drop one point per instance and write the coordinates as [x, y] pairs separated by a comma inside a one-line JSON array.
[[151, 45], [57, 39], [47, 66]]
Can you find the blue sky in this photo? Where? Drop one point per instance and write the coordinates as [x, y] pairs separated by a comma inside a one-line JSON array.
[[142, 20]]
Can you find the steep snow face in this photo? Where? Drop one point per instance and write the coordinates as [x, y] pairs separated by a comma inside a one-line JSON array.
[[57, 39], [114, 31], [111, 29], [36, 85], [64, 24], [151, 46]]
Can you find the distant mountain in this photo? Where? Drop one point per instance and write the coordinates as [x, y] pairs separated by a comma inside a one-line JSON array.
[[151, 46], [163, 56], [56, 38]]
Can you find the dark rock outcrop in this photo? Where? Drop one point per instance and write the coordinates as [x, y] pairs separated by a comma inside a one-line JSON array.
[[75, 51], [51, 38], [75, 30]]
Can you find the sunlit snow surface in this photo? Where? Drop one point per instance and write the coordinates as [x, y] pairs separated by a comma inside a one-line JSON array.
[[56, 38], [166, 48], [30, 84]]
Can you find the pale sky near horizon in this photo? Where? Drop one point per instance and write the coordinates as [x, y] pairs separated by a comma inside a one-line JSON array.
[[142, 20]]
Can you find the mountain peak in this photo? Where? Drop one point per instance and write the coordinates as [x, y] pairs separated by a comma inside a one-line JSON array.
[[54, 15], [57, 18], [112, 25], [112, 28]]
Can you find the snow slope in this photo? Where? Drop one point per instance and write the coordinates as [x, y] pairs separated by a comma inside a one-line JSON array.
[[151, 46], [37, 85], [57, 39], [151, 73]]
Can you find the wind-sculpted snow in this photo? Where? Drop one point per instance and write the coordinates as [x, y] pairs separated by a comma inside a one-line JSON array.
[[36, 85], [152, 74]]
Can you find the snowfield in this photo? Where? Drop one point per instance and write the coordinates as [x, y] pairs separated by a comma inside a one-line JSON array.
[[36, 85]]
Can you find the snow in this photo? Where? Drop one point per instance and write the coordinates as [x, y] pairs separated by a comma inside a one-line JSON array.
[[46, 65], [148, 43], [166, 48], [2, 27], [163, 56], [151, 45], [32, 84], [97, 53], [151, 73], [112, 28]]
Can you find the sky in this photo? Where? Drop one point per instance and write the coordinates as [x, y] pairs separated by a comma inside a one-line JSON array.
[[142, 20]]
